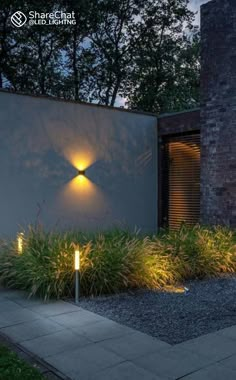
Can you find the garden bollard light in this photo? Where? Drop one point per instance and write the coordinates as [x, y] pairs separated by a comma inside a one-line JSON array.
[[77, 275], [20, 237]]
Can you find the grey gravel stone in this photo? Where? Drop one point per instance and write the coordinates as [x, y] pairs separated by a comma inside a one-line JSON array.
[[209, 306]]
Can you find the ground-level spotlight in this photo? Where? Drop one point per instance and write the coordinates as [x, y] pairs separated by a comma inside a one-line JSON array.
[[20, 238], [77, 275]]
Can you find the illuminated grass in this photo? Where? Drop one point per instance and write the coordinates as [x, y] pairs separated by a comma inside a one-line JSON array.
[[116, 260]]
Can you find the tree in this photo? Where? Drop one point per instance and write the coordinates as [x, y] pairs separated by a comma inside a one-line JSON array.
[[78, 60], [30, 56], [165, 73], [112, 46], [10, 38], [146, 52]]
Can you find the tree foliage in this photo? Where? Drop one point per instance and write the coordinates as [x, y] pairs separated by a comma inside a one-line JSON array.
[[142, 53]]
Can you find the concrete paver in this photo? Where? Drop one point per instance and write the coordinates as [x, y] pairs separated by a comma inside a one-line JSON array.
[[7, 305], [79, 319], [84, 363], [229, 363], [213, 372], [55, 308], [213, 346], [30, 330], [124, 371], [172, 363], [55, 343], [228, 332], [134, 345], [86, 346], [11, 293], [103, 330], [10, 318]]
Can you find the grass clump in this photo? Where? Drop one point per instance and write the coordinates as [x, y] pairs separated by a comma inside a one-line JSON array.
[[202, 252], [116, 260], [13, 368]]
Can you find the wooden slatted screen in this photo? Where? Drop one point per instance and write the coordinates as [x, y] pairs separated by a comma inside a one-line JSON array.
[[183, 184]]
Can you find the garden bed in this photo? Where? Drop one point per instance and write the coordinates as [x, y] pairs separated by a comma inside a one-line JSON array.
[[117, 262], [210, 305]]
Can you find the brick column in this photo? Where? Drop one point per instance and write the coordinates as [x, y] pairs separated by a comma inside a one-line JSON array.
[[218, 112]]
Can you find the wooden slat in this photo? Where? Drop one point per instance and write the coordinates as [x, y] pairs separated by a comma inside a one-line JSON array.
[[183, 180]]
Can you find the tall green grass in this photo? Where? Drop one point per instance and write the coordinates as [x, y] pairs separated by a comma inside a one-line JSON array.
[[116, 260]]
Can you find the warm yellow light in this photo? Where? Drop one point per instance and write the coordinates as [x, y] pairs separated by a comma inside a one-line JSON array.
[[77, 259], [174, 289], [81, 158], [20, 237], [81, 196]]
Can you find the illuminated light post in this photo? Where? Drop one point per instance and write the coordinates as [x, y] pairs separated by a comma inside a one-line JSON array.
[[77, 275], [20, 238]]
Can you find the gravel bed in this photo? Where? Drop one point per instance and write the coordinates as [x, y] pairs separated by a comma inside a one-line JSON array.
[[210, 305]]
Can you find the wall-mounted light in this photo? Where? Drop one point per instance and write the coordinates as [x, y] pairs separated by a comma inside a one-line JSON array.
[[20, 238], [81, 172], [77, 274]]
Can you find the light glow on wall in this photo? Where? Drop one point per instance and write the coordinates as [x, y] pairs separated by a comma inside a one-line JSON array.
[[81, 195], [80, 158]]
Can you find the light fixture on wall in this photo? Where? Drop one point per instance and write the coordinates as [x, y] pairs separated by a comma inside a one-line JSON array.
[[81, 172]]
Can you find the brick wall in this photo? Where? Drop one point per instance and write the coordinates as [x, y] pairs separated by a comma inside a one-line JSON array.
[[180, 122], [218, 112]]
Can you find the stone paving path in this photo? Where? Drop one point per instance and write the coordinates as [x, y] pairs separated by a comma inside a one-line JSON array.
[[86, 346]]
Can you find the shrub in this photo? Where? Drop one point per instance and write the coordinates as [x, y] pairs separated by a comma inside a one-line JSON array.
[[44, 267], [110, 262], [116, 260], [202, 252]]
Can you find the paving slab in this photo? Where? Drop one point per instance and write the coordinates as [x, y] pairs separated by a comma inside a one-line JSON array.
[[30, 330], [229, 332], [54, 308], [59, 342], [172, 363], [7, 305], [86, 346], [213, 372], [31, 302], [126, 371], [85, 363], [79, 319], [102, 330], [229, 363], [213, 346], [2, 297], [10, 318], [12, 293], [134, 345]]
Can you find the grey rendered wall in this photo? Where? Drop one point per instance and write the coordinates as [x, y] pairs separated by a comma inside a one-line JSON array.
[[42, 144]]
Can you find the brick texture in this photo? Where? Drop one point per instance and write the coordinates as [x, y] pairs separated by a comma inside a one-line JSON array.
[[181, 122], [218, 113]]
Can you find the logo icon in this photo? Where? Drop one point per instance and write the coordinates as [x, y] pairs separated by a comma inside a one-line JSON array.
[[18, 19]]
